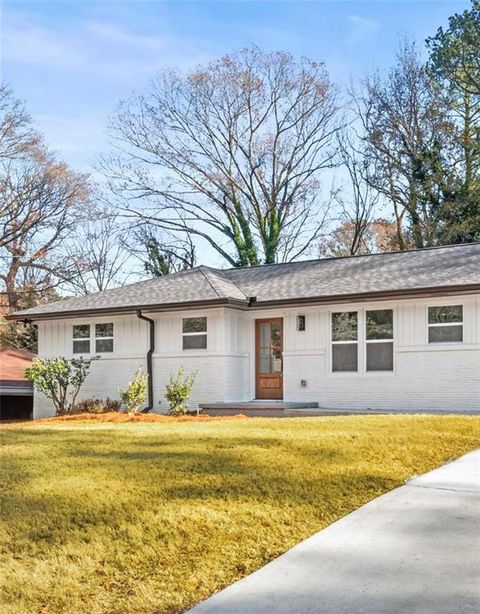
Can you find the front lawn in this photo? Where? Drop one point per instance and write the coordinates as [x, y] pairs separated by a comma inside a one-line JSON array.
[[152, 517]]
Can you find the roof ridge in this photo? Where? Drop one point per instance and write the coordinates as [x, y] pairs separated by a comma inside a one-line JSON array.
[[209, 280], [210, 274]]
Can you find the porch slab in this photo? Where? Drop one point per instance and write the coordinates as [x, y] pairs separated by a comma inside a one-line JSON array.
[[273, 409], [259, 405], [289, 409]]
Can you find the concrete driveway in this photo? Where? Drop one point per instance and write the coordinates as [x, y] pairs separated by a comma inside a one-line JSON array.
[[413, 550]]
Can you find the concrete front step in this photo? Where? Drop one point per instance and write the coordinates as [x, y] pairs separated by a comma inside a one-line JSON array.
[[257, 405], [265, 413], [272, 408]]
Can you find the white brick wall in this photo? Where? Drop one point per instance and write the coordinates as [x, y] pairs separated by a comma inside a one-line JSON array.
[[113, 371], [425, 377], [434, 377], [425, 381]]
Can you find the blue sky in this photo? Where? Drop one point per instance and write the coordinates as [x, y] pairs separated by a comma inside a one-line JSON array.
[[71, 61]]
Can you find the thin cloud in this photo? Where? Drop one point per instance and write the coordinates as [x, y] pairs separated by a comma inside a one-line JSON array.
[[96, 48], [28, 43], [361, 28], [116, 34]]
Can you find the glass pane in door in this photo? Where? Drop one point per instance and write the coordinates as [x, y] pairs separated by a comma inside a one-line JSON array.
[[277, 361], [270, 347], [265, 334], [265, 360], [275, 334]]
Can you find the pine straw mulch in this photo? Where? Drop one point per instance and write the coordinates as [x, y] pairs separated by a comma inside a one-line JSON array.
[[121, 418]]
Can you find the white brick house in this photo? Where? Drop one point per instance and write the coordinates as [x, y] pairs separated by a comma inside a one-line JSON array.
[[396, 331]]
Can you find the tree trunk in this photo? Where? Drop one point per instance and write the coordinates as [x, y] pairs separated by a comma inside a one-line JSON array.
[[10, 285], [467, 141]]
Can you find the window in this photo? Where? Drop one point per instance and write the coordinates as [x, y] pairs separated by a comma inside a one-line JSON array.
[[345, 341], [379, 340], [104, 337], [194, 333], [445, 324], [81, 338]]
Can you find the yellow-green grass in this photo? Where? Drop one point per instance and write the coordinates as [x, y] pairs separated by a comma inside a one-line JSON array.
[[151, 518]]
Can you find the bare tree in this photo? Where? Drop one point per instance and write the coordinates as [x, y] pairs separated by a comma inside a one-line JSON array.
[[17, 139], [98, 253], [17, 135], [379, 235], [231, 153], [409, 142], [41, 202], [357, 201]]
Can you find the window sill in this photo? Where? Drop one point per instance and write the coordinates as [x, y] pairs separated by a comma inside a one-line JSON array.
[[344, 373], [289, 353], [439, 347], [93, 354], [361, 374]]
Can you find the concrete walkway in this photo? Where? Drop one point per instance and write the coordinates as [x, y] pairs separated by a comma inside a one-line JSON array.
[[413, 550]]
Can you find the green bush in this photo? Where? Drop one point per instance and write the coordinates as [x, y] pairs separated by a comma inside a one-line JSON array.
[[178, 392], [135, 394], [96, 406], [60, 379]]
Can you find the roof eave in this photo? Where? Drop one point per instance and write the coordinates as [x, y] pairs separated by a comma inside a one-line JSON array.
[[359, 297], [256, 304], [126, 310]]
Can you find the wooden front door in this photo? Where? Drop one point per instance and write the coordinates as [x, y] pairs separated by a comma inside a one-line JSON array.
[[269, 358]]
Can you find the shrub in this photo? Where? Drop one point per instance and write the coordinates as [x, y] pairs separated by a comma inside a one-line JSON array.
[[96, 406], [60, 379], [136, 392], [178, 392]]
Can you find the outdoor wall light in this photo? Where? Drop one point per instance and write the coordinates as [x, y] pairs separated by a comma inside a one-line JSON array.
[[300, 322]]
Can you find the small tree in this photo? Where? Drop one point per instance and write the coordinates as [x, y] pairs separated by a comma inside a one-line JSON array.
[[60, 379], [178, 392], [135, 394], [163, 258]]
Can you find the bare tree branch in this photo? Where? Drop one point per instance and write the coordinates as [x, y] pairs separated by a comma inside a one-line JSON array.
[[409, 143], [41, 201], [231, 154]]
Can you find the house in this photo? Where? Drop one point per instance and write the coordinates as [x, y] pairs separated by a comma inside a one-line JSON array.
[[393, 331], [16, 392]]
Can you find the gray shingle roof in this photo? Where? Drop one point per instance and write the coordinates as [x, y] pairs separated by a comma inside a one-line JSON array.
[[427, 268], [439, 268], [195, 285]]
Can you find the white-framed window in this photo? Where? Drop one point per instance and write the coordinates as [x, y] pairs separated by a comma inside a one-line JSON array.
[[102, 341], [345, 341], [445, 324], [194, 331], [104, 337], [81, 338], [379, 339]]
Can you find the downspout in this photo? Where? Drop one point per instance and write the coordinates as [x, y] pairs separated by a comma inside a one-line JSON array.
[[149, 359]]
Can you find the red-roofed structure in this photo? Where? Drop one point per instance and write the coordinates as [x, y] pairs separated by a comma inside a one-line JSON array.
[[16, 392]]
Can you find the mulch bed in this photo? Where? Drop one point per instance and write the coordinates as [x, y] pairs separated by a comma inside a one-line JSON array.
[[121, 418]]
